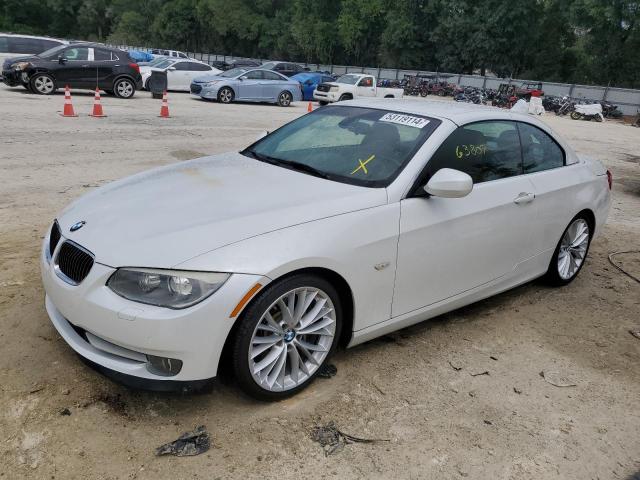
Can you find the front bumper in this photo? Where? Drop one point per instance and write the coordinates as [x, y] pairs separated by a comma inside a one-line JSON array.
[[325, 96], [11, 77], [118, 334], [202, 91]]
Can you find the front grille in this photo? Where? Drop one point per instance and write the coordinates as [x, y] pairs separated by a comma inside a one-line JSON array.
[[323, 87], [54, 237], [73, 262], [196, 88]]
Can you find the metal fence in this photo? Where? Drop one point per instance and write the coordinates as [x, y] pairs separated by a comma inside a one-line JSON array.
[[627, 100]]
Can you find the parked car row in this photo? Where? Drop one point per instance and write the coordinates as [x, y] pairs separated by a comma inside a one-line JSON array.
[[78, 65]]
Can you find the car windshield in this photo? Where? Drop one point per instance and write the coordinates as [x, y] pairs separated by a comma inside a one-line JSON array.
[[51, 52], [350, 79], [360, 146], [269, 65], [234, 72], [156, 61]]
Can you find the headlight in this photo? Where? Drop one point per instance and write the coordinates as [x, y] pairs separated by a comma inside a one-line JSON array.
[[165, 288], [19, 65], [334, 88], [212, 83]]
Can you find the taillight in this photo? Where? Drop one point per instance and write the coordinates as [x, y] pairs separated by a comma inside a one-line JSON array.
[[610, 179], [135, 66]]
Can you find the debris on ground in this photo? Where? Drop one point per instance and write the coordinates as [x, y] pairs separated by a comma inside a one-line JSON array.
[[635, 332], [486, 372], [114, 402], [517, 390], [556, 379], [65, 412], [457, 368], [620, 268], [327, 370], [333, 440], [188, 444], [493, 357]]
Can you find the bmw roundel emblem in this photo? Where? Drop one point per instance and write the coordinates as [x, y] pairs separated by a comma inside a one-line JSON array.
[[77, 226]]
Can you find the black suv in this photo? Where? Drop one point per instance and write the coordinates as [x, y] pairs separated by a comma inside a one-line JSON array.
[[79, 65]]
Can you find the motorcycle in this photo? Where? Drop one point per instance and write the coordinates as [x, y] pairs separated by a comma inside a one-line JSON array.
[[588, 112]]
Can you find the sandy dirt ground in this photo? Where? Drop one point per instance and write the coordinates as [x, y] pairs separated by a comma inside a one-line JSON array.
[[440, 422]]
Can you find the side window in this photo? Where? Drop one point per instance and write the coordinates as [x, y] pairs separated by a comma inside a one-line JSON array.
[[254, 75], [271, 76], [4, 45], [114, 57], [101, 55], [81, 53], [485, 150], [182, 66], [366, 82], [25, 45], [182, 55], [47, 44], [539, 150], [200, 67]]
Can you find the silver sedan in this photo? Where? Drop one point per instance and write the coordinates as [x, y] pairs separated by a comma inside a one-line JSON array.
[[241, 84]]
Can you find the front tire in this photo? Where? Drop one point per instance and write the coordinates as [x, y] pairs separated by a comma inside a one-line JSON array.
[[570, 253], [43, 84], [124, 88], [344, 97], [285, 336], [322, 103], [576, 115], [285, 98], [225, 95]]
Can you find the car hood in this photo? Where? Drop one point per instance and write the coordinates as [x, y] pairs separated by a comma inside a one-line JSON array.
[[168, 215]]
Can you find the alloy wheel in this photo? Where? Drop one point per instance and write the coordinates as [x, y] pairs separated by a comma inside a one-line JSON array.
[[225, 95], [292, 339], [573, 249], [43, 84], [124, 89], [285, 99]]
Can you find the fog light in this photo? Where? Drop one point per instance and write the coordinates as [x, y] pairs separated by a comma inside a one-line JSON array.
[[166, 367]]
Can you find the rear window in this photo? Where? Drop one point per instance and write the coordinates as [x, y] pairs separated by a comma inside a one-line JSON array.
[[4, 45], [26, 45]]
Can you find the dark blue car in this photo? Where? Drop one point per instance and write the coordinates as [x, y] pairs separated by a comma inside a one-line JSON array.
[[309, 82]]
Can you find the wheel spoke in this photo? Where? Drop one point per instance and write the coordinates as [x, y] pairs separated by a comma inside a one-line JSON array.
[[311, 346], [312, 314], [324, 322], [287, 316], [268, 360], [294, 358], [255, 351]]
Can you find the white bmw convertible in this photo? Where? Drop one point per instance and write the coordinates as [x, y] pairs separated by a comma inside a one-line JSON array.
[[345, 224]]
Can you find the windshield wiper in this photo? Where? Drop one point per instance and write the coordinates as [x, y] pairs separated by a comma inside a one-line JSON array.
[[291, 164]]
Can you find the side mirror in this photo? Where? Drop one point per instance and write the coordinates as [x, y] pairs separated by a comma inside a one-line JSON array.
[[62, 60], [243, 77], [171, 69], [449, 183], [262, 134]]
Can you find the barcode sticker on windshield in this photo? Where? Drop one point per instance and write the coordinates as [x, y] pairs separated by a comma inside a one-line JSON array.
[[408, 120]]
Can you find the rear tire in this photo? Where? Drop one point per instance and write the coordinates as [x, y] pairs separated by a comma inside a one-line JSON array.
[[576, 115], [255, 365], [285, 98], [124, 88], [571, 252]]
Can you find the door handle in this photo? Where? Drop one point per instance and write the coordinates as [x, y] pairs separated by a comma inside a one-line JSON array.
[[524, 197]]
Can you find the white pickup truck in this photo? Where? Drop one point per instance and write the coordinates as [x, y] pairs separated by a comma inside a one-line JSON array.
[[351, 86]]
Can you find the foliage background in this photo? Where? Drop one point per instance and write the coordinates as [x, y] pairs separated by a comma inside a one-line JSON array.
[[573, 41]]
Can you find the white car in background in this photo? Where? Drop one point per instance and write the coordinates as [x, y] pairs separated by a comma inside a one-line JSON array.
[[347, 223], [180, 73]]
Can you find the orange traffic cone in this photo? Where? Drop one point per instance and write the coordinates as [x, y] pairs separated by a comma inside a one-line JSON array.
[[309, 107], [68, 106], [97, 106], [164, 110]]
